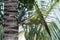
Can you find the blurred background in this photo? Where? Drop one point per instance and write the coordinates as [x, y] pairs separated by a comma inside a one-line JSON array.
[[42, 17], [30, 19], [1, 18]]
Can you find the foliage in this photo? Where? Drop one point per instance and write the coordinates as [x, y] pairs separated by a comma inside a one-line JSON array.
[[1, 19], [36, 27], [1, 32], [55, 31], [1, 11], [26, 3]]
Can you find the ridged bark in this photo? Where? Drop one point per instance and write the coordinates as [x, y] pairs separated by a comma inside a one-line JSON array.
[[10, 22]]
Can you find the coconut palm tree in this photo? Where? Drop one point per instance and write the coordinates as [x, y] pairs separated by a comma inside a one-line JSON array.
[[10, 21], [38, 26]]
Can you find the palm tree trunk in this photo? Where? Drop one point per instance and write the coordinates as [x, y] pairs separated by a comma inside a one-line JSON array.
[[10, 22]]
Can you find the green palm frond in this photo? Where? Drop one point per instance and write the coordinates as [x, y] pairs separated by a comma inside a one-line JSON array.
[[52, 7], [55, 31], [42, 30]]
